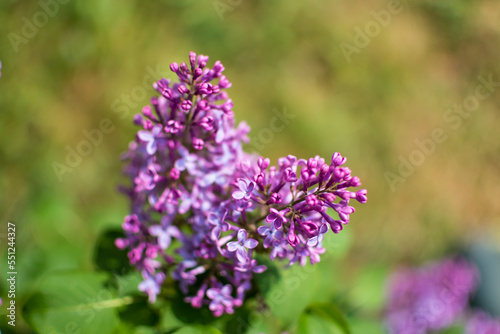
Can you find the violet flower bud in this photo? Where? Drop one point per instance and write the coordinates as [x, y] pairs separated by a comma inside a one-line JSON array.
[[174, 67], [182, 89], [198, 143]]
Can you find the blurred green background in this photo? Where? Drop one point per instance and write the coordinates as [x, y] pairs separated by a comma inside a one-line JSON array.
[[96, 59]]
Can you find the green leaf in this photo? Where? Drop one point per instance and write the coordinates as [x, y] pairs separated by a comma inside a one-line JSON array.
[[313, 323], [140, 313], [269, 278], [198, 330], [368, 291], [330, 312], [128, 285], [108, 257], [455, 329], [291, 295], [188, 314], [74, 302], [366, 326]]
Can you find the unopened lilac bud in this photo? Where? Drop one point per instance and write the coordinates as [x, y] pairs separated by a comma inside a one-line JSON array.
[[207, 123], [186, 105], [355, 181], [312, 200], [166, 93], [148, 125], [263, 163], [184, 68], [289, 175], [121, 243], [310, 228], [182, 89], [311, 163], [361, 196], [138, 119], [306, 175], [174, 67], [203, 105], [224, 82], [198, 144], [174, 173], [338, 173], [227, 106], [173, 126], [205, 88], [328, 197], [154, 101], [275, 198], [338, 160], [202, 61], [259, 180], [192, 59], [146, 111], [215, 89], [347, 173], [218, 67], [323, 170], [197, 72]]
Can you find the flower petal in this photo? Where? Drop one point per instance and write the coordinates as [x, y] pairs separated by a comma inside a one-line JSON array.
[[212, 293], [232, 246], [251, 243], [264, 230], [145, 136], [241, 254], [238, 194], [242, 235]]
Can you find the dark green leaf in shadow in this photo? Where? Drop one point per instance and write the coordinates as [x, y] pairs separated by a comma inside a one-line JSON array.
[[108, 257], [139, 313], [198, 330], [188, 314], [269, 278]]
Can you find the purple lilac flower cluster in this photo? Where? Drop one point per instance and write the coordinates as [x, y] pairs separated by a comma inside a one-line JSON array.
[[201, 208], [481, 323], [430, 298]]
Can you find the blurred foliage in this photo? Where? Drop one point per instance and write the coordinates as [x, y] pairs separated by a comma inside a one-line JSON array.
[[96, 59]]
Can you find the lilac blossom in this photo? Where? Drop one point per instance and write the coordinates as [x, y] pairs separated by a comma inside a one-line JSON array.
[[241, 246], [151, 285], [220, 225], [481, 323], [150, 138], [191, 181], [164, 232], [245, 189], [430, 298], [221, 300]]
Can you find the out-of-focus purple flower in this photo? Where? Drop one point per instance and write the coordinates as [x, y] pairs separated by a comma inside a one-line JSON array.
[[430, 298], [271, 233], [241, 246], [245, 189], [150, 138], [220, 225], [165, 232], [152, 285], [222, 302], [481, 323], [277, 218]]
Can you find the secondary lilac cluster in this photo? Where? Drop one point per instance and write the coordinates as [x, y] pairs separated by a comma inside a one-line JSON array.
[[431, 298], [201, 208], [481, 323]]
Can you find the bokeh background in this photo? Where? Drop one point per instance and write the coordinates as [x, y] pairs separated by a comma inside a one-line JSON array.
[[96, 59]]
